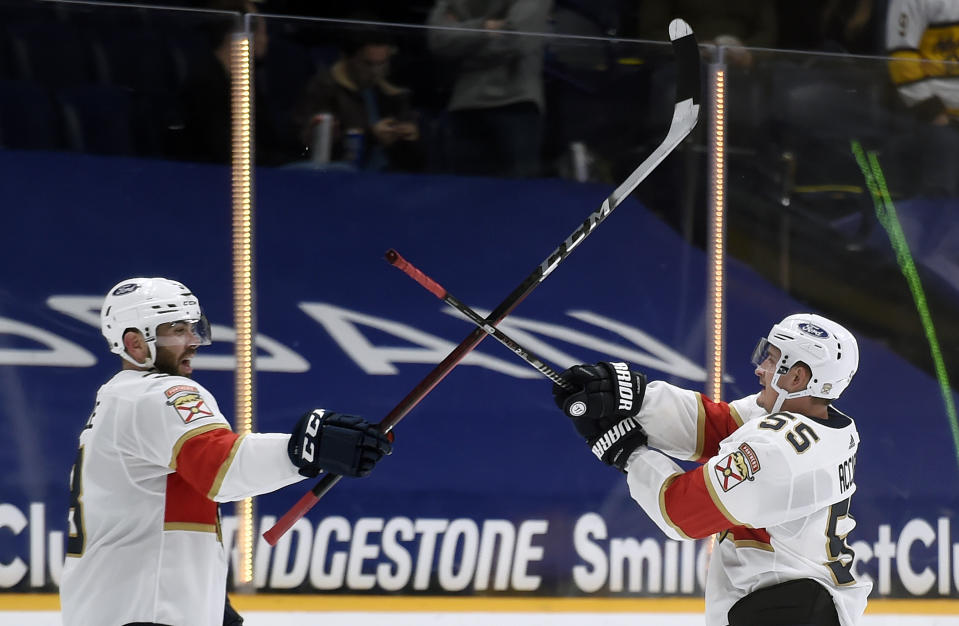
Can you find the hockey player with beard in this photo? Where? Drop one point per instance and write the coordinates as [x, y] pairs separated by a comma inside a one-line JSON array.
[[776, 472], [157, 456]]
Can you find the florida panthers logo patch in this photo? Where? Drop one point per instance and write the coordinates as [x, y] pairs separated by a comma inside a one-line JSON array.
[[737, 467], [190, 407]]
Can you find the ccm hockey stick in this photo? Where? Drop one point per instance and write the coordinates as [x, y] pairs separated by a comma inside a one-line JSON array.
[[397, 260], [685, 115]]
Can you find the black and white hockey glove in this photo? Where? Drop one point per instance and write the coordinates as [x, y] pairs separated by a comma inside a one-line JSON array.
[[604, 390], [603, 408], [336, 443], [614, 445]]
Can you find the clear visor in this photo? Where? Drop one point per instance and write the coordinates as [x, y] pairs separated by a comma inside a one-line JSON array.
[[761, 354], [185, 333]]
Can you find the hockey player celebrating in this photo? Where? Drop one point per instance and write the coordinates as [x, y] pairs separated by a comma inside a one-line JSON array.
[[155, 458], [776, 475]]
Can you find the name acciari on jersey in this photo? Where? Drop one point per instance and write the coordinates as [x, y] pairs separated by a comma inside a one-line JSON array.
[[776, 489], [144, 543]]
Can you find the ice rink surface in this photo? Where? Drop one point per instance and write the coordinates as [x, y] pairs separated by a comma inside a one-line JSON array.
[[407, 618], [336, 610]]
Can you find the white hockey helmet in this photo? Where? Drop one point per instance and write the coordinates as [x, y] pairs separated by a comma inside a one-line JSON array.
[[829, 350], [145, 303]]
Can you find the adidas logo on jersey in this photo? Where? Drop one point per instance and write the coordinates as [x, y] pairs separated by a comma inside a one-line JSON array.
[[613, 435]]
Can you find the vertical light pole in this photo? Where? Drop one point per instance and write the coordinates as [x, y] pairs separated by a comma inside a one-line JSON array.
[[716, 234], [241, 63], [716, 242]]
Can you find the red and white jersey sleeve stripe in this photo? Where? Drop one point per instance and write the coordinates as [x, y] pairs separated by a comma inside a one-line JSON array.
[[259, 465], [226, 467], [756, 479], [687, 425], [648, 475], [178, 424], [700, 502]]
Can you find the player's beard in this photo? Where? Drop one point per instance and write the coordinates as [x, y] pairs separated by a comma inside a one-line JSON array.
[[173, 363]]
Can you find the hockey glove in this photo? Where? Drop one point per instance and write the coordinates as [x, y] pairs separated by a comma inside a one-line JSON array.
[[336, 443], [605, 394], [614, 446], [603, 408]]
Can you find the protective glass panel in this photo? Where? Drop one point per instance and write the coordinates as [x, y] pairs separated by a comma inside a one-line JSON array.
[[841, 201], [519, 139], [479, 154], [95, 190]]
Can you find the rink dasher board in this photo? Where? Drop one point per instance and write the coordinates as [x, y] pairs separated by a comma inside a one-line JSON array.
[[371, 603]]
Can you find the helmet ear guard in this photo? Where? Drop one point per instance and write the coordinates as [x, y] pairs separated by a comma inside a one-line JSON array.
[[143, 304]]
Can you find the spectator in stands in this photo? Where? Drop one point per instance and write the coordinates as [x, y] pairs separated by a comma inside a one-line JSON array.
[[205, 98], [496, 106], [355, 90], [921, 39]]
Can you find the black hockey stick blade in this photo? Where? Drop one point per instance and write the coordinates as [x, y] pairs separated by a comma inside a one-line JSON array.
[[686, 51], [685, 111]]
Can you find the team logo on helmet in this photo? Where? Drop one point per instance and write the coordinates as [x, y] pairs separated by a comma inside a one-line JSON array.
[[811, 329], [126, 288]]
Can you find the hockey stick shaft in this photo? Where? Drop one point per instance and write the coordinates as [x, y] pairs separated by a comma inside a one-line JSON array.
[[685, 114], [397, 260], [413, 398]]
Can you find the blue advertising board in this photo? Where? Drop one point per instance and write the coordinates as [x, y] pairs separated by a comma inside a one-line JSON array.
[[490, 490]]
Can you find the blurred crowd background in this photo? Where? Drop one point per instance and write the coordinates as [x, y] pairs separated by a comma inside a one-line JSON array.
[[572, 89], [157, 75]]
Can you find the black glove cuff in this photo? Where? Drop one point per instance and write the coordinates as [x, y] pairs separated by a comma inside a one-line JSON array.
[[616, 445]]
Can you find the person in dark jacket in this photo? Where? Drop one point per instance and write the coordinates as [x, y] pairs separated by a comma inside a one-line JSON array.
[[373, 123], [205, 97], [497, 98]]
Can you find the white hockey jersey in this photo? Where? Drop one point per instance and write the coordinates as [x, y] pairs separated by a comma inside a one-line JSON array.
[[144, 540], [776, 488]]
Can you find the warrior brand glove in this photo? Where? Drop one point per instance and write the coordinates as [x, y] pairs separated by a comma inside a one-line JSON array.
[[604, 390], [614, 446], [603, 408], [336, 443]]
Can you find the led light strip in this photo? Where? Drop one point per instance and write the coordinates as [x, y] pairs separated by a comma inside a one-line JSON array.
[[716, 243], [242, 189]]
